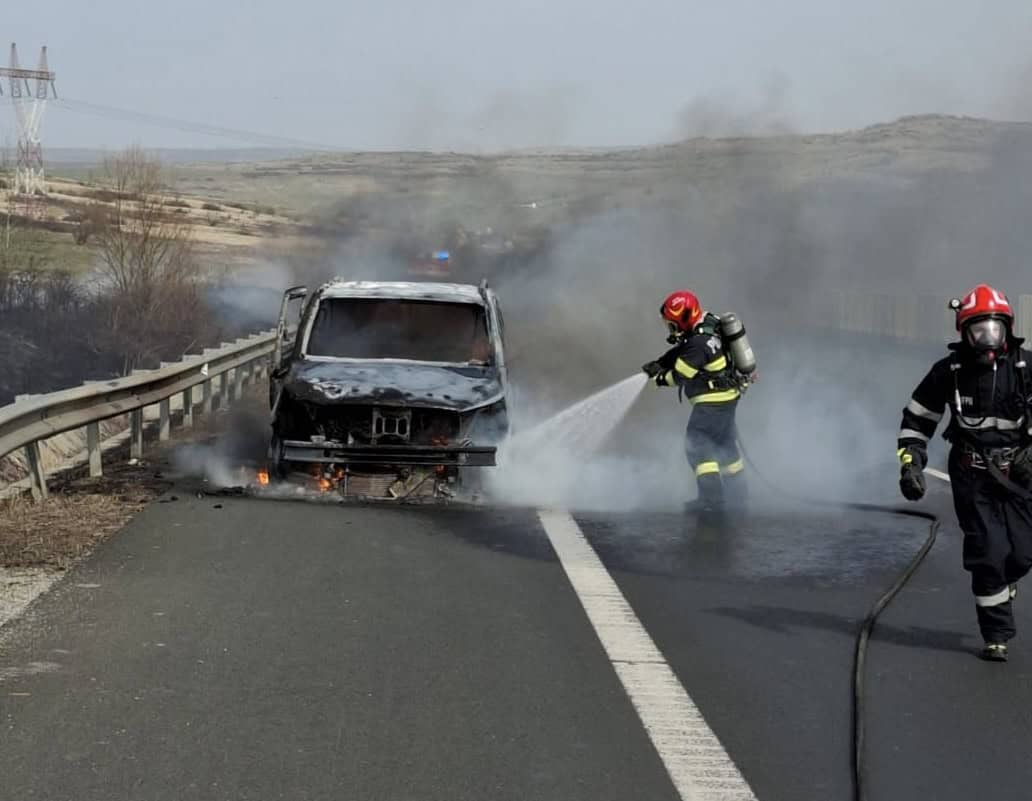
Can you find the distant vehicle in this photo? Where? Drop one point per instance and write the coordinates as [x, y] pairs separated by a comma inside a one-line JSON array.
[[389, 389], [432, 265]]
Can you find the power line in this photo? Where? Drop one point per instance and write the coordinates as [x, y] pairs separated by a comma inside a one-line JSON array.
[[29, 104], [187, 126]]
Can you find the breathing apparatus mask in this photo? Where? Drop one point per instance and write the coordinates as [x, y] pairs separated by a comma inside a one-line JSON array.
[[987, 334], [674, 333], [987, 337]]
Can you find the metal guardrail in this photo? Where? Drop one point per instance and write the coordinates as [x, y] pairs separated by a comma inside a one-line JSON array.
[[25, 423]]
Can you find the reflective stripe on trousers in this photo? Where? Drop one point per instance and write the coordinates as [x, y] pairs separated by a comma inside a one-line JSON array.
[[995, 599]]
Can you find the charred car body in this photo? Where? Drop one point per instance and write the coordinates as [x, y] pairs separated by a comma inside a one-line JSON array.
[[389, 389]]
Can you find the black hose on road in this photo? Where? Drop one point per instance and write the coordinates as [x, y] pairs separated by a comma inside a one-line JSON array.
[[859, 705], [860, 654]]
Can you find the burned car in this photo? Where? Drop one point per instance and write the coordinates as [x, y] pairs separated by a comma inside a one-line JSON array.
[[389, 389]]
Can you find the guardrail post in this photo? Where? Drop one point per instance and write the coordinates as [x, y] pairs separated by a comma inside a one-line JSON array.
[[188, 407], [164, 419], [37, 475], [136, 434], [93, 449]]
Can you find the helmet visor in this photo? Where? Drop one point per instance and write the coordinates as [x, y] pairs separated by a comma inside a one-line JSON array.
[[987, 334]]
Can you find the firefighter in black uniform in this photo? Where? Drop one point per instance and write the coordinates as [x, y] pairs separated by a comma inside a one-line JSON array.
[[699, 367], [985, 383]]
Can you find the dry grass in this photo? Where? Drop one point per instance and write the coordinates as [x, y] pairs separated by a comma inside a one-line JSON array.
[[220, 231], [55, 534]]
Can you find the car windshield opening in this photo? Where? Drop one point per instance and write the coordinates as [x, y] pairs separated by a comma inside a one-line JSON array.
[[420, 330]]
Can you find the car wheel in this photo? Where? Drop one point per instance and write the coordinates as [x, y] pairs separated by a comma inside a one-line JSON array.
[[278, 468]]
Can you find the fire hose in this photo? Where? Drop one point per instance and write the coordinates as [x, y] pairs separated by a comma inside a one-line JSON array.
[[859, 703]]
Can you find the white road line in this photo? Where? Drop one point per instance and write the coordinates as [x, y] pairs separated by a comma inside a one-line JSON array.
[[699, 767], [937, 474]]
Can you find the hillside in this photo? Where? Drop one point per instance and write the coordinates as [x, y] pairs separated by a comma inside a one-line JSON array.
[[912, 145]]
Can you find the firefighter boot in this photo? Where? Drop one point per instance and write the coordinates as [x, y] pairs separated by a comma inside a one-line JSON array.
[[994, 652], [711, 493], [997, 651]]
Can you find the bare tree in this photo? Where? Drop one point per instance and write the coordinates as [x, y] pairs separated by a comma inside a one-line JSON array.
[[149, 267]]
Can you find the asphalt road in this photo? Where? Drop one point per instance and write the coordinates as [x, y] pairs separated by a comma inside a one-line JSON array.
[[277, 650]]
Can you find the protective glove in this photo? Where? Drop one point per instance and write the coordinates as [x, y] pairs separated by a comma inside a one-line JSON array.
[[912, 482], [656, 372], [652, 369], [743, 381]]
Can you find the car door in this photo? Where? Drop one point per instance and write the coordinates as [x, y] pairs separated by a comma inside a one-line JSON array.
[[287, 328]]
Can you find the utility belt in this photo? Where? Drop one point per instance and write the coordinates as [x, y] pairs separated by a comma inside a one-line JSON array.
[[981, 458], [722, 381], [712, 384]]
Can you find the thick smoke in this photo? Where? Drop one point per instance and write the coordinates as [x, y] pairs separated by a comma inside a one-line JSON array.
[[1015, 102], [249, 300], [231, 459], [775, 227], [720, 116]]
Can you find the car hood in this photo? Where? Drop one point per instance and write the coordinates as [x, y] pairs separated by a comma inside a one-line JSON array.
[[394, 384]]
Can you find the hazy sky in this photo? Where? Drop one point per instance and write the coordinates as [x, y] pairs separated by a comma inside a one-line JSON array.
[[487, 74]]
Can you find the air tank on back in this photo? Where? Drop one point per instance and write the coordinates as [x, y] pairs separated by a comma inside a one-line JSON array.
[[738, 343]]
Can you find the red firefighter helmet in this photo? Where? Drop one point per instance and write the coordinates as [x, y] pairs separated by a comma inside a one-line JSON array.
[[681, 310], [980, 303]]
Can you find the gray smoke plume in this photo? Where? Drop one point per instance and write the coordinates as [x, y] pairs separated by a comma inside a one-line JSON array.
[[772, 227], [718, 116]]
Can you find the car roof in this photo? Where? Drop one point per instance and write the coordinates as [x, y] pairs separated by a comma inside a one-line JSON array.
[[408, 290]]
